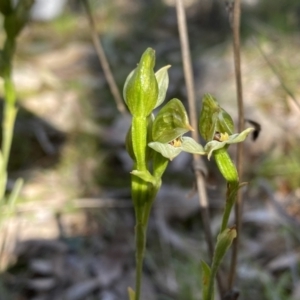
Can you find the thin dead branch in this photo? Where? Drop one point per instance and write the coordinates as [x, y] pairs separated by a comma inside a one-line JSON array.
[[235, 16], [103, 60], [200, 169]]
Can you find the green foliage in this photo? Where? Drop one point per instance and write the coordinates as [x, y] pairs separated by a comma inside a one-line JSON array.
[[206, 277], [224, 241], [143, 91]]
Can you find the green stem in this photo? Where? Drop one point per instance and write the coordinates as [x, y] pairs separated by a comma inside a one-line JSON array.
[[228, 170], [140, 195], [149, 203], [142, 216], [140, 250], [224, 241], [143, 195], [139, 141], [9, 117], [231, 196]]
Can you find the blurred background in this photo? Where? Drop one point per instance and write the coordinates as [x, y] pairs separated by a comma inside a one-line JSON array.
[[70, 234]]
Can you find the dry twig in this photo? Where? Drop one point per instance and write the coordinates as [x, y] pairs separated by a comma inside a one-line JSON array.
[[103, 60], [234, 9], [200, 169]]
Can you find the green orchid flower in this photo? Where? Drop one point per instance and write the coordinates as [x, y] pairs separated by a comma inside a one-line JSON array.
[[221, 140], [216, 127], [175, 147], [168, 128]]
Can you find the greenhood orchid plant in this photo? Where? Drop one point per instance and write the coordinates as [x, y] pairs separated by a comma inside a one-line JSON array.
[[154, 141], [216, 127]]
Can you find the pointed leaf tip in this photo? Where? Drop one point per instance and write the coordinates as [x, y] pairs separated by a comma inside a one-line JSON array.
[[141, 89], [131, 293]]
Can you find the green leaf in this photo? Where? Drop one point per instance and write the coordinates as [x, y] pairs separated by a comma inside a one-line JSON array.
[[224, 241], [131, 293], [213, 118], [162, 78], [232, 139], [141, 88], [145, 175], [171, 122], [206, 273]]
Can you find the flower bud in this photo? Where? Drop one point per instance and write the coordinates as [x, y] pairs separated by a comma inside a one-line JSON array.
[[141, 88], [213, 118]]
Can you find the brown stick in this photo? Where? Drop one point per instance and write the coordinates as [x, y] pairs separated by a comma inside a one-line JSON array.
[[198, 163], [240, 149], [103, 61]]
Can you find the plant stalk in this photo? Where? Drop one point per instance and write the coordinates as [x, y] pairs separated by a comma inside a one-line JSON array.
[[9, 117], [142, 212], [239, 158], [139, 196]]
